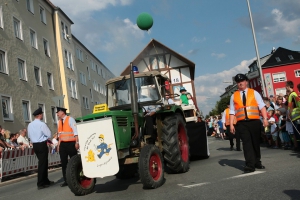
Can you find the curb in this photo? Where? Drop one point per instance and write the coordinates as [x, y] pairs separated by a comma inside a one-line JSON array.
[[9, 182]]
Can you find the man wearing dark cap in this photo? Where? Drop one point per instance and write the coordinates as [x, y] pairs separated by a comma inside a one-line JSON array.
[[39, 133], [68, 143], [246, 105]]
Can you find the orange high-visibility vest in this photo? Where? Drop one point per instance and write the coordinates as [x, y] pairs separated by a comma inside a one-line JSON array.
[[251, 106], [66, 132], [227, 122]]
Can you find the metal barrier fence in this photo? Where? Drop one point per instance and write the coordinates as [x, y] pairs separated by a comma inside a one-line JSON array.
[[15, 161]]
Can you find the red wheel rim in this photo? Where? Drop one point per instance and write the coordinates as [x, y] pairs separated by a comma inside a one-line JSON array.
[[84, 181], [155, 166], [183, 143]]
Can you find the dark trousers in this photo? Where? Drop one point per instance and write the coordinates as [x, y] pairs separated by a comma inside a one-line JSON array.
[[150, 121], [249, 132], [231, 136], [41, 152], [66, 149]]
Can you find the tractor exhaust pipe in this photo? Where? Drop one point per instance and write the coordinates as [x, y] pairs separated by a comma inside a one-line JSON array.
[[134, 103]]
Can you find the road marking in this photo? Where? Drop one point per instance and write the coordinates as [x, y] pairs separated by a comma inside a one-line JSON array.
[[194, 185], [244, 175]]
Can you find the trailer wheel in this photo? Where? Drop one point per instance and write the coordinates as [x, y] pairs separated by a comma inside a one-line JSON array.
[[77, 182], [176, 144], [127, 171], [151, 167]]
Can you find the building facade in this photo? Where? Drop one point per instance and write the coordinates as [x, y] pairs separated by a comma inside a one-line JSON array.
[[38, 64], [277, 68], [180, 70]]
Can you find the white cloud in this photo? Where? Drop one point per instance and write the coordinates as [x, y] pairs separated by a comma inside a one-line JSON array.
[[80, 7], [209, 87], [197, 40], [218, 55], [193, 51], [228, 41]]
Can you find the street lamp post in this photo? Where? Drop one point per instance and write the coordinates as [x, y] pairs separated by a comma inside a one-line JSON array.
[[257, 53]]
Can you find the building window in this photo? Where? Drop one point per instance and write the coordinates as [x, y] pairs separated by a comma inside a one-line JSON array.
[[279, 77], [37, 75], [7, 108], [280, 90], [41, 105], [82, 78], [95, 84], [18, 28], [65, 31], [86, 103], [72, 88], [43, 15], [33, 38], [88, 72], [30, 7], [3, 68], [79, 54], [297, 73], [157, 62], [53, 114], [69, 60], [93, 65], [50, 80], [277, 59], [1, 17], [91, 94], [22, 69], [46, 47], [291, 57], [26, 111]]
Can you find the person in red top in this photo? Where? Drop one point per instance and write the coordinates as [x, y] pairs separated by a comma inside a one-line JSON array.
[[68, 143], [246, 105]]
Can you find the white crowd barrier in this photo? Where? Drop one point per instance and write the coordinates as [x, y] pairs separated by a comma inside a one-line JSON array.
[[15, 161]]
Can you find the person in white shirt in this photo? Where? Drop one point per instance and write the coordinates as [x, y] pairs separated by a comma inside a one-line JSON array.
[[22, 139]]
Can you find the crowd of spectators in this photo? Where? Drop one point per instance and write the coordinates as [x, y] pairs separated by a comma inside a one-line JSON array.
[[19, 140], [282, 132]]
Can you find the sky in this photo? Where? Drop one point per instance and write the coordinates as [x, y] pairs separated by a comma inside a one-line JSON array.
[[214, 34]]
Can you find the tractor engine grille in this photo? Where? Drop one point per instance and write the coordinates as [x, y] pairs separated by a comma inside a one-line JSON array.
[[121, 121]]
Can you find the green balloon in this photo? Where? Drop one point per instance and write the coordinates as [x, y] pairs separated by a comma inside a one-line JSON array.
[[144, 21]]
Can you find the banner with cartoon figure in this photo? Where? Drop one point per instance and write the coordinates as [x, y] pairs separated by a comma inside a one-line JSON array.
[[98, 148]]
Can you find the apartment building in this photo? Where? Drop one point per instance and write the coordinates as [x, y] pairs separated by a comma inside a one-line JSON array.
[[41, 65], [93, 75], [29, 75]]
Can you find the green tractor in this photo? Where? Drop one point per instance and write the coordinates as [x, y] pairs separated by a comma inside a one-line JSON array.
[[128, 98]]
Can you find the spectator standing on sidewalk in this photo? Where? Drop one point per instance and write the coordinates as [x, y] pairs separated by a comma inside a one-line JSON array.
[[68, 143], [245, 104], [39, 133], [294, 111], [226, 125]]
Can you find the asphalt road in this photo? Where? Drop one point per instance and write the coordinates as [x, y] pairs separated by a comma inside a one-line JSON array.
[[219, 177]]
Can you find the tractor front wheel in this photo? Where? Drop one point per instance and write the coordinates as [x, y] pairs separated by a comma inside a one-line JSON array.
[[77, 182], [151, 167]]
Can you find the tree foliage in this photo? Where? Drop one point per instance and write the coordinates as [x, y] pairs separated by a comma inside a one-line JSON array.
[[220, 106]]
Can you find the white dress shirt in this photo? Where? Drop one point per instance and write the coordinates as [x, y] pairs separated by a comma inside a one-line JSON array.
[[38, 131]]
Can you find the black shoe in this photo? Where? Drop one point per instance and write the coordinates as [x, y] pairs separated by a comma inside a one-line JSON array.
[[50, 183], [238, 149], [231, 148], [63, 184], [260, 166], [248, 169], [42, 187]]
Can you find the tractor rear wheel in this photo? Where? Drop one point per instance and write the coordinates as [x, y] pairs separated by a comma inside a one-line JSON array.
[[151, 167], [176, 144], [77, 182]]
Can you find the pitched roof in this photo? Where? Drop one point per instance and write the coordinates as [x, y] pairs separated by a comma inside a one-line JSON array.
[[149, 46], [285, 57]]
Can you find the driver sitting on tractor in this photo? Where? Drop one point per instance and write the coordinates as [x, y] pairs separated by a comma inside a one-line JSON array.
[[150, 118]]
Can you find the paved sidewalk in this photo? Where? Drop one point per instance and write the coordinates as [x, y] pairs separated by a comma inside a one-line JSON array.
[[23, 176]]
